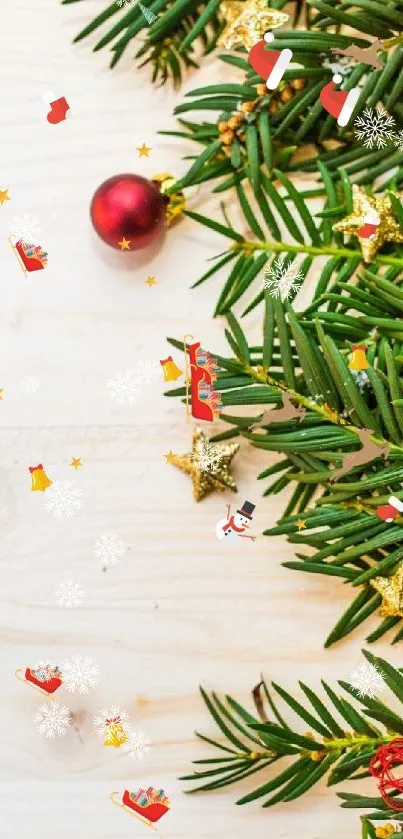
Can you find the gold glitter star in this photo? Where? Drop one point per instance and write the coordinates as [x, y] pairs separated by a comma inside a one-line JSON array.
[[391, 589], [388, 230], [301, 524], [144, 151], [1, 391], [125, 244], [170, 457], [218, 478], [247, 22], [150, 281], [4, 196], [76, 462]]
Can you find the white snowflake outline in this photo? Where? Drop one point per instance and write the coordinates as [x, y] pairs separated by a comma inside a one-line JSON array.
[[80, 675], [110, 548], [283, 278], [207, 456], [137, 745], [63, 499], [52, 719], [374, 127], [27, 227], [367, 680], [69, 594], [28, 385], [126, 388]]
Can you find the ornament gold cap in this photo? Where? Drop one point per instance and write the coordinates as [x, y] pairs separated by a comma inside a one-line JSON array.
[[175, 201]]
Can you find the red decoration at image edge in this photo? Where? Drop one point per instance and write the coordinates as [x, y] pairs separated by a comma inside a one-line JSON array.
[[129, 207], [387, 758]]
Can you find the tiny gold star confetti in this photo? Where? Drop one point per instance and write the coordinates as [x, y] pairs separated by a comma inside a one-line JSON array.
[[4, 196], [170, 457], [144, 151], [150, 281], [301, 524], [76, 462], [388, 230], [247, 22], [1, 391], [125, 244], [205, 482], [391, 589]]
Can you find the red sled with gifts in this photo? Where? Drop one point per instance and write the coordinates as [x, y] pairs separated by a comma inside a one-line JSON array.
[[29, 257], [45, 685], [205, 402], [148, 813]]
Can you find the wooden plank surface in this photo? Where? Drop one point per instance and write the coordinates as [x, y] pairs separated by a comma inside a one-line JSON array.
[[180, 609]]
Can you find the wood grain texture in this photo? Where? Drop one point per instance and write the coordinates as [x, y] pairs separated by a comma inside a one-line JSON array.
[[179, 609]]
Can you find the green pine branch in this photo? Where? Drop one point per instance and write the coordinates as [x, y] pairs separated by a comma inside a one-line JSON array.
[[278, 205], [291, 117], [307, 354], [183, 30], [335, 738]]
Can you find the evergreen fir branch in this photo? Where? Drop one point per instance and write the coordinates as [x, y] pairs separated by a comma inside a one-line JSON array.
[[293, 116], [263, 214], [306, 354], [330, 751]]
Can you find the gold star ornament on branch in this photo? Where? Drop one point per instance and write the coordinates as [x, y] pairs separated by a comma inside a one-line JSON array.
[[246, 22], [388, 229], [207, 464], [391, 589]]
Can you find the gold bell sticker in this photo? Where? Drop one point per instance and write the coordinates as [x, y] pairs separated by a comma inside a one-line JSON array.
[[171, 371], [358, 360], [39, 478]]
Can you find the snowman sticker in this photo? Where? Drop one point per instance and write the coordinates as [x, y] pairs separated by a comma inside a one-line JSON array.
[[235, 525]]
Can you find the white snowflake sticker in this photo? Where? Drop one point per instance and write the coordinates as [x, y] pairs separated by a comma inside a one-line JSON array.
[[125, 388], [26, 227], [52, 719], [108, 724], [207, 456], [29, 385], [367, 680], [374, 128], [69, 594], [63, 499], [110, 548], [137, 744], [283, 279], [80, 675]]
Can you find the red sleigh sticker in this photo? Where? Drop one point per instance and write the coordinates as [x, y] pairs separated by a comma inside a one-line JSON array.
[[146, 805], [45, 677], [205, 402], [29, 257]]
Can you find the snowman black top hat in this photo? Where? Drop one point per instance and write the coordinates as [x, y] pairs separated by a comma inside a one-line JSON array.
[[247, 510]]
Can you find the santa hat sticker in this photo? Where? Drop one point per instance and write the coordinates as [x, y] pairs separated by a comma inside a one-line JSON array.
[[269, 64], [339, 103], [390, 511]]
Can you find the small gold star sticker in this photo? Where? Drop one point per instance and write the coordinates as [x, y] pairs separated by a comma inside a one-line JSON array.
[[246, 22], [144, 151], [1, 391], [76, 462], [150, 281], [215, 479], [170, 457], [4, 196], [301, 524], [388, 229], [391, 589], [125, 244]]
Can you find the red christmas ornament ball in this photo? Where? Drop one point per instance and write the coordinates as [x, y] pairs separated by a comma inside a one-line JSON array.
[[128, 207]]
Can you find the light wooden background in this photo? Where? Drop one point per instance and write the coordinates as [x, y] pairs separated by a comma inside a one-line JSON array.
[[180, 609]]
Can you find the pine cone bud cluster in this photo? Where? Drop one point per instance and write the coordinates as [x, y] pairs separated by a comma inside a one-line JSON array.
[[232, 129]]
